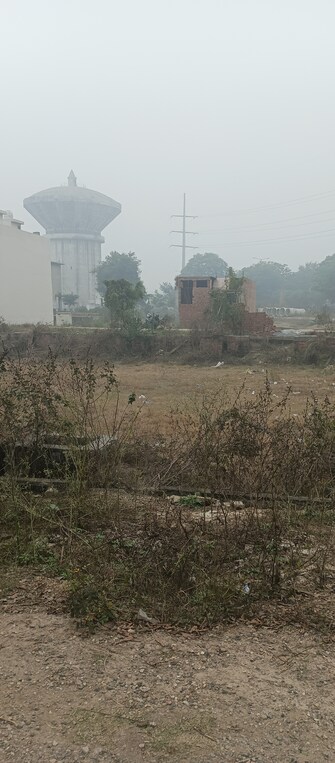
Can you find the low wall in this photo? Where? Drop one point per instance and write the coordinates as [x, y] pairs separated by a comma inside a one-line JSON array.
[[167, 346]]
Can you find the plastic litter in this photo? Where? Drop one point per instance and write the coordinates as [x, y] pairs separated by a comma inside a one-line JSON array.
[[142, 615]]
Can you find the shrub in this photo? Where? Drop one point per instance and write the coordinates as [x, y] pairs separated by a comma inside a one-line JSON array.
[[200, 560]]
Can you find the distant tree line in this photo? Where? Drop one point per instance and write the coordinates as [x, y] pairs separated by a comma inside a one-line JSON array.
[[312, 286], [128, 303]]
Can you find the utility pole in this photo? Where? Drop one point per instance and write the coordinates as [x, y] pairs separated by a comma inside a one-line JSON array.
[[183, 246]]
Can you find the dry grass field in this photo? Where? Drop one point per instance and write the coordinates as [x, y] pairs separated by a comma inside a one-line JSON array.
[[167, 387]]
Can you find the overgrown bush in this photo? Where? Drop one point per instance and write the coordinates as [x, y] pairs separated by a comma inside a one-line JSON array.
[[63, 420], [194, 559], [237, 446]]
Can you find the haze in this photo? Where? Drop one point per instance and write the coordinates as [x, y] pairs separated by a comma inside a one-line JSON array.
[[231, 101]]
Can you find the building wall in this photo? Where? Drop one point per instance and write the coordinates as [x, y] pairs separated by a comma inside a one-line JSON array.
[[56, 283], [79, 256], [249, 295], [194, 314], [25, 276]]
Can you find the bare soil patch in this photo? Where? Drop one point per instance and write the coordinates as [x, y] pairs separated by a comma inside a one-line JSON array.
[[233, 695]]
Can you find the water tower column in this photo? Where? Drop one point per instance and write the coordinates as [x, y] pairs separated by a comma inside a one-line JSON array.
[[79, 256]]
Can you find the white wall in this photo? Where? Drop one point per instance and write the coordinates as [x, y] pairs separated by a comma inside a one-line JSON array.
[[25, 276]]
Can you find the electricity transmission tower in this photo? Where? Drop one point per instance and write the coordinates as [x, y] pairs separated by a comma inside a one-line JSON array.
[[183, 246]]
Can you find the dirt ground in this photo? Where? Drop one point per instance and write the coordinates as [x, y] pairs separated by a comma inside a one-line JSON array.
[[236, 695]]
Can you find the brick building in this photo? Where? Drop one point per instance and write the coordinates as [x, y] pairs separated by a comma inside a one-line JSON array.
[[193, 297]]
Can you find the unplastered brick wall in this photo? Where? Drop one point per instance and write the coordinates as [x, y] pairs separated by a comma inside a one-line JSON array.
[[194, 314], [258, 323]]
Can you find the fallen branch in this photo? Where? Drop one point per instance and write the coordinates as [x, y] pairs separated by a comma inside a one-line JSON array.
[[202, 733]]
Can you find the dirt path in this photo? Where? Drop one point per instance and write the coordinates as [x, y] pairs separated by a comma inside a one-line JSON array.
[[231, 696]]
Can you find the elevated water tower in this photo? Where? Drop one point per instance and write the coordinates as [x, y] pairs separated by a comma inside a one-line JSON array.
[[73, 218]]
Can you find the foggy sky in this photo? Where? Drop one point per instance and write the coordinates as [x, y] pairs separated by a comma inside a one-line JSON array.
[[231, 101]]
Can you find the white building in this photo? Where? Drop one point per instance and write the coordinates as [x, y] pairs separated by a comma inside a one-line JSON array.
[[25, 274]]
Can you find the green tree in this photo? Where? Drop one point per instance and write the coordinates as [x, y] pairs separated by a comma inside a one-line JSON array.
[[302, 287], [208, 264], [117, 267], [69, 300], [325, 280], [226, 311], [162, 301], [121, 298], [271, 279]]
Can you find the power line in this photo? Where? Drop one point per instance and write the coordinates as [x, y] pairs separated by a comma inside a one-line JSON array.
[[273, 226], [316, 234], [183, 246], [290, 202], [278, 228]]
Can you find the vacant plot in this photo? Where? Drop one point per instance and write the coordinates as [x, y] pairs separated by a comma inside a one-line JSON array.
[[168, 387], [154, 578]]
